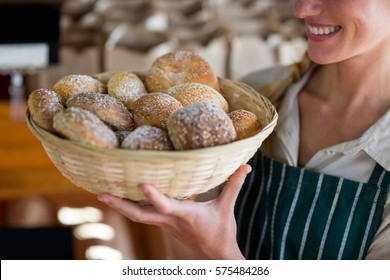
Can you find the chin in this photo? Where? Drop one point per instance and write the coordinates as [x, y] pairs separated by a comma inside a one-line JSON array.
[[320, 57]]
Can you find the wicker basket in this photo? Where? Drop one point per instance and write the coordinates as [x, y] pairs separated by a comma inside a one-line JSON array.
[[178, 174]]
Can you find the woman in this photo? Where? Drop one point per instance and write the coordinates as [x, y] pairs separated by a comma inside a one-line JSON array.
[[319, 187]]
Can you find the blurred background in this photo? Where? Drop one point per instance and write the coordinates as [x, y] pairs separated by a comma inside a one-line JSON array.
[[42, 214]]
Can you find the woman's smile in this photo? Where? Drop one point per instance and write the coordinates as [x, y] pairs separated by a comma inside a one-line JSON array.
[[318, 32]]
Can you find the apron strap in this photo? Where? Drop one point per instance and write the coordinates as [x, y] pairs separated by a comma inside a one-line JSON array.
[[380, 176]]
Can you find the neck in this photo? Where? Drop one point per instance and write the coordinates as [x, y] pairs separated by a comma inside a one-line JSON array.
[[355, 80]]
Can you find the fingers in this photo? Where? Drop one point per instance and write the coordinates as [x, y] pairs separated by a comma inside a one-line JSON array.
[[165, 210], [134, 211], [161, 202], [233, 186]]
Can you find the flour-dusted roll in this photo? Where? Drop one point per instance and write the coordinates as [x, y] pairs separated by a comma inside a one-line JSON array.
[[109, 109], [154, 109], [179, 67], [200, 125], [190, 93], [147, 137], [245, 123], [70, 85], [43, 104], [84, 127], [126, 86]]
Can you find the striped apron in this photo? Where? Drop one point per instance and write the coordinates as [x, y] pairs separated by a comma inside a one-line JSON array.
[[286, 212]]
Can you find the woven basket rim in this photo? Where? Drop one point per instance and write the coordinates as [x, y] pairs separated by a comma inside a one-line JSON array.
[[46, 136]]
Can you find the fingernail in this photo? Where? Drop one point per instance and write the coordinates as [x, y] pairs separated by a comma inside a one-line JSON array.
[[144, 188], [104, 199], [248, 169]]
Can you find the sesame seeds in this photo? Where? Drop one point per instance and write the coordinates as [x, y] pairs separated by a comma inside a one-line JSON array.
[[147, 138], [128, 105], [200, 125], [109, 109], [85, 127]]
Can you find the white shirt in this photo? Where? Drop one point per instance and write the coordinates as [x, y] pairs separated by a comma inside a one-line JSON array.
[[353, 160]]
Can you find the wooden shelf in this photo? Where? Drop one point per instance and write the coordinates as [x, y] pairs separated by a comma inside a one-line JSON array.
[[25, 169]]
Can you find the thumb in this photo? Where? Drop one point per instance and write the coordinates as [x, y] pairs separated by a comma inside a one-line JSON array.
[[233, 186]]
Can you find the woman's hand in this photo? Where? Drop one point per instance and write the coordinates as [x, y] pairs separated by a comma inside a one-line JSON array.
[[208, 228]]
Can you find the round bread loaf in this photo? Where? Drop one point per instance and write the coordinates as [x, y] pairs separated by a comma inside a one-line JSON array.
[[70, 85], [190, 93], [245, 123], [154, 109], [147, 137], [109, 109], [126, 87], [84, 127], [43, 104], [179, 67], [200, 125]]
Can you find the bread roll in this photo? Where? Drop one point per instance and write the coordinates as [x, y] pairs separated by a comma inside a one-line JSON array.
[[43, 104], [200, 125], [109, 109], [84, 127], [69, 85], [126, 87], [190, 93], [147, 138], [179, 67], [245, 123], [154, 109]]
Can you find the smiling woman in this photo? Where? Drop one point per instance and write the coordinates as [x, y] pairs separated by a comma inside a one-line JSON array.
[[319, 186], [355, 27]]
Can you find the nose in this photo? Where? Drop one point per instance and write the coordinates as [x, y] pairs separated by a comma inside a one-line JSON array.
[[306, 8]]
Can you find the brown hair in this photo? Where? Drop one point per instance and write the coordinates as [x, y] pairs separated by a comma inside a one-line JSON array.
[[274, 90]]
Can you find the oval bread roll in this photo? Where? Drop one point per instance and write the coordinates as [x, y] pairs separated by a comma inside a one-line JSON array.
[[147, 137], [200, 125], [109, 109], [126, 87], [245, 123], [43, 104], [84, 127], [70, 85], [154, 109], [190, 93], [179, 67]]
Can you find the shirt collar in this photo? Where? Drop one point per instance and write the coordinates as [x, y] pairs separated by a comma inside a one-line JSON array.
[[375, 141]]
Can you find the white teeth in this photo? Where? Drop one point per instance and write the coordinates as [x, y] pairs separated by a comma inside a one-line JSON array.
[[322, 30]]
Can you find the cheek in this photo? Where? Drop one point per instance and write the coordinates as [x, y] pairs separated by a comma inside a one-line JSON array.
[[370, 28], [350, 42], [369, 37]]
